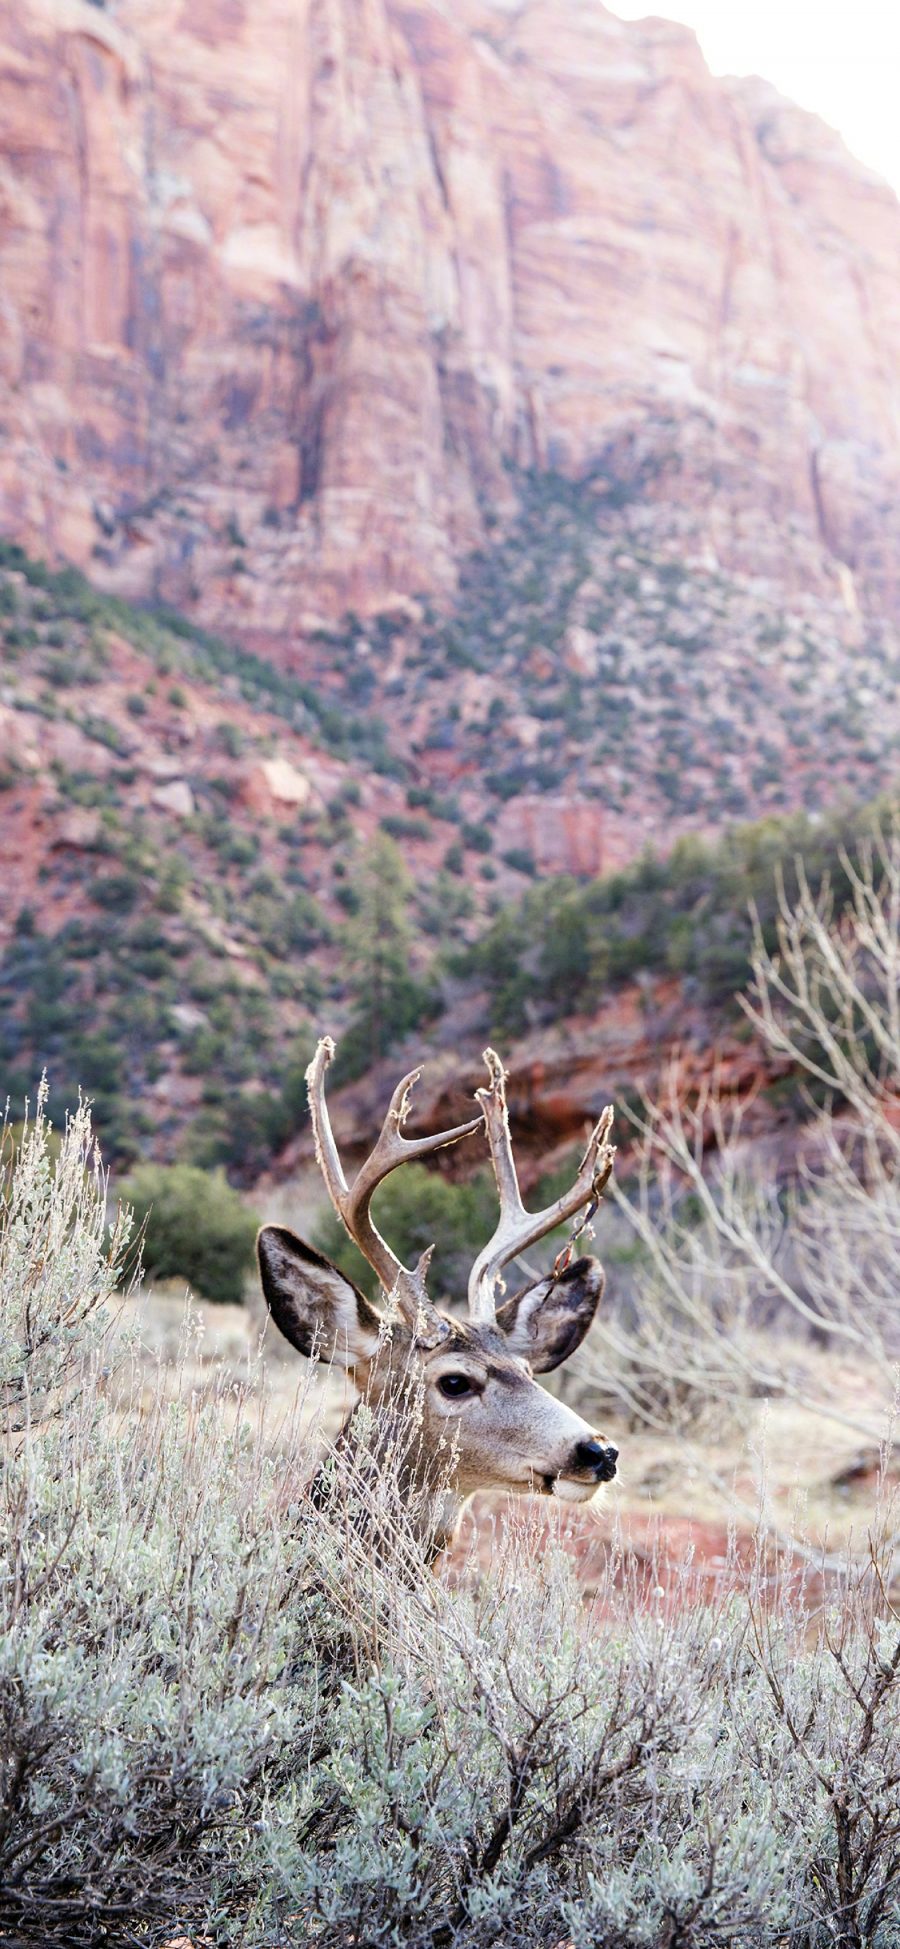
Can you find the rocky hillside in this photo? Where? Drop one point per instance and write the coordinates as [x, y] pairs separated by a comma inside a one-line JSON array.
[[178, 824], [496, 421], [599, 685], [208, 862], [289, 287]]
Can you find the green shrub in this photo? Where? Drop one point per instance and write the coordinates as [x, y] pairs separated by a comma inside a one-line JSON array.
[[118, 892], [59, 1259], [521, 860], [398, 826], [195, 1227], [443, 904], [229, 738], [100, 729], [479, 837]]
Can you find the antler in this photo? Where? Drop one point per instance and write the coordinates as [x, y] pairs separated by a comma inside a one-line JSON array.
[[517, 1228], [352, 1202]]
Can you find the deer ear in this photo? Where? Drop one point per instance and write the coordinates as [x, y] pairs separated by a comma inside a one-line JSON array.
[[546, 1322], [311, 1302]]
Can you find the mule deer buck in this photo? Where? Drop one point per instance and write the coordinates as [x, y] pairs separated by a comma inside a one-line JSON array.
[[481, 1420]]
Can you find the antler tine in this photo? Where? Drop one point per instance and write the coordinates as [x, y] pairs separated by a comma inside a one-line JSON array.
[[327, 1156], [352, 1202], [517, 1229]]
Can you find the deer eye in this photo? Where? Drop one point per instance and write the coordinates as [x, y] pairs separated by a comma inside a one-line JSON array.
[[456, 1385]]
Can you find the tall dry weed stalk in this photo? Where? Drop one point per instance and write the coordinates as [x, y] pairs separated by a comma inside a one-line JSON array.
[[60, 1261]]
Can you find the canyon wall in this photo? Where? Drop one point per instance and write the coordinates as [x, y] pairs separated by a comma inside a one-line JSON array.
[[289, 289]]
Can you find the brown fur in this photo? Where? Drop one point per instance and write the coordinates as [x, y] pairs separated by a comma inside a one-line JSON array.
[[506, 1432]]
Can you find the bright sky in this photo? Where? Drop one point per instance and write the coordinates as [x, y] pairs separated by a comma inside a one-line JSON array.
[[840, 58]]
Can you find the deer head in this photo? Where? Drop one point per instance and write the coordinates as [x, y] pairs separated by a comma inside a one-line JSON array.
[[478, 1401]]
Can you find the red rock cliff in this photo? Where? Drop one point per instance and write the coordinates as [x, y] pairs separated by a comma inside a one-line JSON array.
[[285, 282]]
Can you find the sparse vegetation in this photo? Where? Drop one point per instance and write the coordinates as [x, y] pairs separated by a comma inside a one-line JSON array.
[[176, 644], [687, 914], [387, 998]]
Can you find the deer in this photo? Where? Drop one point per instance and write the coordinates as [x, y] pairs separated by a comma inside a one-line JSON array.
[[481, 1419]]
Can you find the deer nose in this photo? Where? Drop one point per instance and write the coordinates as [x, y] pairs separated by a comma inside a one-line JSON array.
[[592, 1455]]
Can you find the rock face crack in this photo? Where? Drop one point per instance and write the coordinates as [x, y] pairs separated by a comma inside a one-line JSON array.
[[818, 499]]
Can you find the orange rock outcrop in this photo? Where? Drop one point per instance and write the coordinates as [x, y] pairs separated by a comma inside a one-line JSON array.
[[286, 283]]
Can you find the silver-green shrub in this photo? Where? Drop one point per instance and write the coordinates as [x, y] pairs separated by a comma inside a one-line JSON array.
[[59, 1260], [228, 1713]]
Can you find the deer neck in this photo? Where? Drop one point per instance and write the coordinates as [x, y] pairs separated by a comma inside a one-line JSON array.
[[391, 1483]]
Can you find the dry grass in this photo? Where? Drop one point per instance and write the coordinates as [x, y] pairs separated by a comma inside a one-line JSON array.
[[784, 1467]]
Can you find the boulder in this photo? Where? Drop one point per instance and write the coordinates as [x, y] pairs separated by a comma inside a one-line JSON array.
[[79, 829], [175, 798], [284, 783]]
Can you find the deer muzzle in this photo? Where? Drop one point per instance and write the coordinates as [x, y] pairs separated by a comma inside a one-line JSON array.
[[592, 1462]]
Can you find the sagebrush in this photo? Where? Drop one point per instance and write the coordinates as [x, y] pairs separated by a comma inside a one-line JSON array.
[[224, 1714]]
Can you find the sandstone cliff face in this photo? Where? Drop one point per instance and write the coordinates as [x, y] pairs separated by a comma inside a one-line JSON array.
[[284, 284]]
